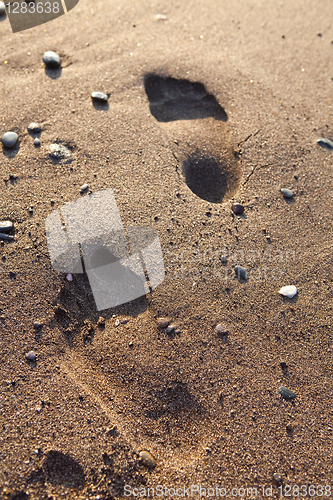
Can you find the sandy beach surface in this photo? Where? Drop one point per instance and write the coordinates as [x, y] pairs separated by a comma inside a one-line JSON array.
[[210, 103]]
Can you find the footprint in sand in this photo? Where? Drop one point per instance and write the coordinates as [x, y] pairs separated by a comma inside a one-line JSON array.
[[198, 126]]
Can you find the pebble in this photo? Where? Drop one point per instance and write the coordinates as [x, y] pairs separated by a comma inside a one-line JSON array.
[[69, 277], [35, 128], [170, 329], [221, 330], [277, 477], [162, 322], [57, 151], [12, 274], [51, 59], [161, 17], [147, 459], [101, 322], [84, 188], [37, 142], [5, 226], [117, 323], [6, 237], [31, 356], [241, 273], [2, 9], [286, 393], [289, 428], [99, 96], [288, 291], [124, 321], [237, 208], [37, 325], [287, 193], [9, 139], [325, 143], [283, 365]]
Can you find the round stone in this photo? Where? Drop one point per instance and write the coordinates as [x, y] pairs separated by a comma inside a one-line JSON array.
[[84, 188], [5, 226], [277, 477], [51, 59], [170, 329], [37, 325], [147, 459], [287, 193], [162, 322], [31, 356], [325, 143], [287, 393], [288, 291], [99, 96], [237, 208], [241, 273], [9, 139], [2, 9], [34, 128], [289, 428], [283, 365], [37, 142], [221, 330]]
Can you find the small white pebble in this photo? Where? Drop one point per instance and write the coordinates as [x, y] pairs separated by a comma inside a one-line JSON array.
[[84, 188], [69, 277], [161, 17], [117, 322], [288, 291]]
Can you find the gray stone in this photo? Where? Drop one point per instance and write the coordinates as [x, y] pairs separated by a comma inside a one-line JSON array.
[[325, 143], [287, 193], [162, 322], [9, 139], [84, 188], [37, 325], [99, 96], [237, 208], [221, 330], [31, 356], [277, 477], [287, 393], [37, 142], [51, 59], [59, 152], [170, 329], [241, 273], [35, 128], [5, 226], [6, 237], [2, 9], [147, 459]]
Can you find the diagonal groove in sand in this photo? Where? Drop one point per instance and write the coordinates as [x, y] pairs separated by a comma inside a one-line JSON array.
[[97, 386]]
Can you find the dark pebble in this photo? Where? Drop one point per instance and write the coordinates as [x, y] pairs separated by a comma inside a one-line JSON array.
[[51, 59], [6, 237], [37, 325], [99, 96], [9, 139], [124, 321], [289, 428], [283, 365], [31, 356], [37, 142], [241, 273], [170, 329], [287, 393], [287, 193], [325, 143], [237, 208], [277, 477], [12, 275]]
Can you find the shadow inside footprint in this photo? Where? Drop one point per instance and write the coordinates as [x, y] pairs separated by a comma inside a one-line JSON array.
[[171, 99]]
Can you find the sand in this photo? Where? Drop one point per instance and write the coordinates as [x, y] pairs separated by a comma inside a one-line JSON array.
[[206, 407]]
